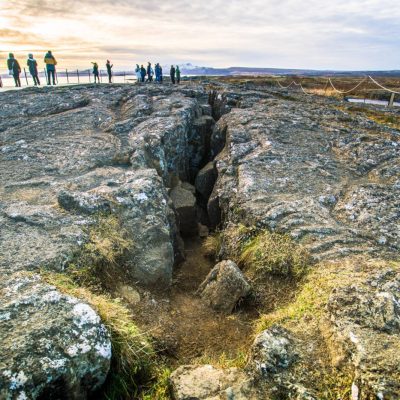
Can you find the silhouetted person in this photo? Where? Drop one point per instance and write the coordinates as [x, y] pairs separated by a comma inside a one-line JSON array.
[[157, 69], [14, 68], [51, 63], [109, 68], [150, 72], [32, 64], [172, 74], [138, 73], [142, 73], [178, 74], [161, 74], [96, 72]]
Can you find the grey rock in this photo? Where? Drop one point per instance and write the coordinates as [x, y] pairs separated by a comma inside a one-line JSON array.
[[185, 204], [273, 350], [205, 180], [365, 319], [50, 342], [224, 286], [204, 382]]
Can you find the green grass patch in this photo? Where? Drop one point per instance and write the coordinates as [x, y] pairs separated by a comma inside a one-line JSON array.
[[273, 253], [260, 252]]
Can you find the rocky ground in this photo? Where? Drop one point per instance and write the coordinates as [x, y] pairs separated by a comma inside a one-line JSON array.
[[172, 163]]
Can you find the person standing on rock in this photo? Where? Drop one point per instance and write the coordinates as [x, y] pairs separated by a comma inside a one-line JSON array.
[[161, 74], [142, 73], [172, 74], [109, 70], [96, 72], [178, 74], [138, 73], [14, 68], [32, 65], [157, 71], [150, 72], [51, 63]]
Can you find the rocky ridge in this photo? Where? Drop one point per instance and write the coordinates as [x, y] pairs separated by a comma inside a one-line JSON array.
[[289, 164]]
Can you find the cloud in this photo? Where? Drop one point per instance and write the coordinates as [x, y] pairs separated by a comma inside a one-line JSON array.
[[342, 34]]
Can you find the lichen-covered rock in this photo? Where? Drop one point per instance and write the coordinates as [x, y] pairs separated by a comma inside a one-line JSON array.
[[273, 350], [204, 382], [51, 344], [224, 286], [307, 169], [365, 319]]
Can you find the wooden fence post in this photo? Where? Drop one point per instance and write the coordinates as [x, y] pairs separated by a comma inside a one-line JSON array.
[[391, 101], [26, 78]]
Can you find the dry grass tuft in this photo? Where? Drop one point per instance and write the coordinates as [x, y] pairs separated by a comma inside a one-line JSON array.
[[107, 244], [273, 253], [224, 361], [132, 353], [212, 245]]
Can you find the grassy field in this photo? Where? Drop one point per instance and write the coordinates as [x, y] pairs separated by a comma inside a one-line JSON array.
[[319, 85]]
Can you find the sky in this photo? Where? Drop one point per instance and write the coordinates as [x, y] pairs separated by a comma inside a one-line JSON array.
[[311, 34]]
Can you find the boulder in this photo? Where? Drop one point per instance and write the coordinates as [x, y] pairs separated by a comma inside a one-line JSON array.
[[51, 344], [365, 322], [185, 206], [204, 382], [272, 352], [224, 286], [205, 180]]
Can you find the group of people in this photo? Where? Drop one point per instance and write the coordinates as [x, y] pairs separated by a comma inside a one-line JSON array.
[[141, 72], [15, 69]]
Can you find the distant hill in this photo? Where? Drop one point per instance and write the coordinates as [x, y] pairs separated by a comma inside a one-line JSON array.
[[189, 69]]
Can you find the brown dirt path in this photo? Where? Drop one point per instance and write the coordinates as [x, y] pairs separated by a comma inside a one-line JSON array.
[[183, 328]]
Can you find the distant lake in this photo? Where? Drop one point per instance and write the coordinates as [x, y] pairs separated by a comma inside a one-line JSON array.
[[376, 102]]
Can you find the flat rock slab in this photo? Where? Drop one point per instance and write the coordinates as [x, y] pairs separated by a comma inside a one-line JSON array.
[[224, 286]]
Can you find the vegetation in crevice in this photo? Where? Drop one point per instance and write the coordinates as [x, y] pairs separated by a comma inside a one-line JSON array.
[[260, 252], [225, 361], [106, 246], [132, 352], [135, 371]]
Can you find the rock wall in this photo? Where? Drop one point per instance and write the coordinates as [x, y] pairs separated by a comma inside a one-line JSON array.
[[67, 155]]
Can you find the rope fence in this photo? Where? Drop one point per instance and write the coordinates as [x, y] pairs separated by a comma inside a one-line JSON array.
[[329, 82]]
